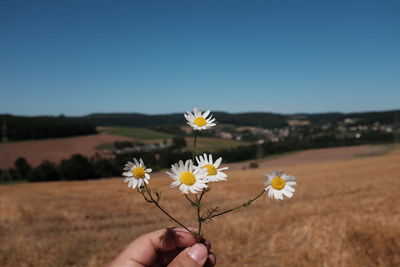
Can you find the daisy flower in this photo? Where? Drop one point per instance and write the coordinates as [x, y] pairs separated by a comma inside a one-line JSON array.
[[198, 120], [213, 173], [279, 183], [188, 177], [136, 173]]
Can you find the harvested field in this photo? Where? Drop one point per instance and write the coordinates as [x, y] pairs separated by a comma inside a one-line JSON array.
[[344, 213], [318, 155], [213, 144], [136, 133], [54, 149]]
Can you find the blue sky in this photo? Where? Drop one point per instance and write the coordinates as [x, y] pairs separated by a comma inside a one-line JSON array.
[[77, 57]]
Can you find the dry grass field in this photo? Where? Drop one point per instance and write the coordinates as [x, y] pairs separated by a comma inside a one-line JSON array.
[[344, 213], [55, 149]]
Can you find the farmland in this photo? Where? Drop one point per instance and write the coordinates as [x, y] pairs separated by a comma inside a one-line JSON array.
[[150, 136], [54, 149], [136, 133], [345, 212], [36, 151], [213, 144]]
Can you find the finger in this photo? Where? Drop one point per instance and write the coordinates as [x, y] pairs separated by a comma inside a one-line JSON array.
[[207, 243], [194, 256], [166, 257], [211, 260], [144, 250]]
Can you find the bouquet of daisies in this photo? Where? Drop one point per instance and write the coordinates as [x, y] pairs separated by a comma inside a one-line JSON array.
[[193, 178]]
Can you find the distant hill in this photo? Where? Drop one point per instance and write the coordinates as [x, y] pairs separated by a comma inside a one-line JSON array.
[[261, 119], [142, 120], [39, 127]]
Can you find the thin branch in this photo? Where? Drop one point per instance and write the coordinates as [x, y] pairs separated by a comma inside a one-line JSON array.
[[246, 204], [208, 213], [202, 193], [145, 198], [191, 201], [164, 211]]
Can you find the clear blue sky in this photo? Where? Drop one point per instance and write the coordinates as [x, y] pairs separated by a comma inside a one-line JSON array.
[[78, 56]]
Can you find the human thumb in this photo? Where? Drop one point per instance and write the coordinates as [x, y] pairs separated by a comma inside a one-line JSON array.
[[194, 256]]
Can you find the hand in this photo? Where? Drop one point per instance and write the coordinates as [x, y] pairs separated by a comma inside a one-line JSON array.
[[172, 247]]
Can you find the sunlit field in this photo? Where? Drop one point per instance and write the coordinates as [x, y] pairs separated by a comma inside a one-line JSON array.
[[151, 136], [344, 213], [135, 133], [58, 149], [55, 150]]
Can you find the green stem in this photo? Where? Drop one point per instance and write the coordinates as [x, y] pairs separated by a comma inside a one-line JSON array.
[[194, 146], [246, 204], [199, 219], [191, 201], [202, 194], [164, 211], [145, 198], [197, 203]]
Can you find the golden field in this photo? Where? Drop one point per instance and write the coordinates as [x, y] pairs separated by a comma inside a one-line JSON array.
[[344, 213]]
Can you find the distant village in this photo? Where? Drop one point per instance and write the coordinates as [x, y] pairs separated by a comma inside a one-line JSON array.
[[347, 129]]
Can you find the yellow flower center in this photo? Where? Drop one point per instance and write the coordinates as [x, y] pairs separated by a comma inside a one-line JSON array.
[[210, 169], [278, 183], [138, 172], [187, 178], [200, 121]]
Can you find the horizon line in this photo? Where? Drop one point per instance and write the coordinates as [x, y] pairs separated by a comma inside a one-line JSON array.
[[217, 111]]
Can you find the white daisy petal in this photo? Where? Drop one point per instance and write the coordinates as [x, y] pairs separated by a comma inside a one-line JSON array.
[[187, 165], [205, 114], [197, 112], [218, 162], [191, 116], [133, 183], [289, 188], [287, 193], [129, 174], [270, 193], [175, 183], [276, 194], [222, 175]]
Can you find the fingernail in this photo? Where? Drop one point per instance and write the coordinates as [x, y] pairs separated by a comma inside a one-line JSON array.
[[198, 252]]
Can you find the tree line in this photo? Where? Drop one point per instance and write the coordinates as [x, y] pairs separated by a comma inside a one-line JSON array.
[[25, 128], [79, 167]]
